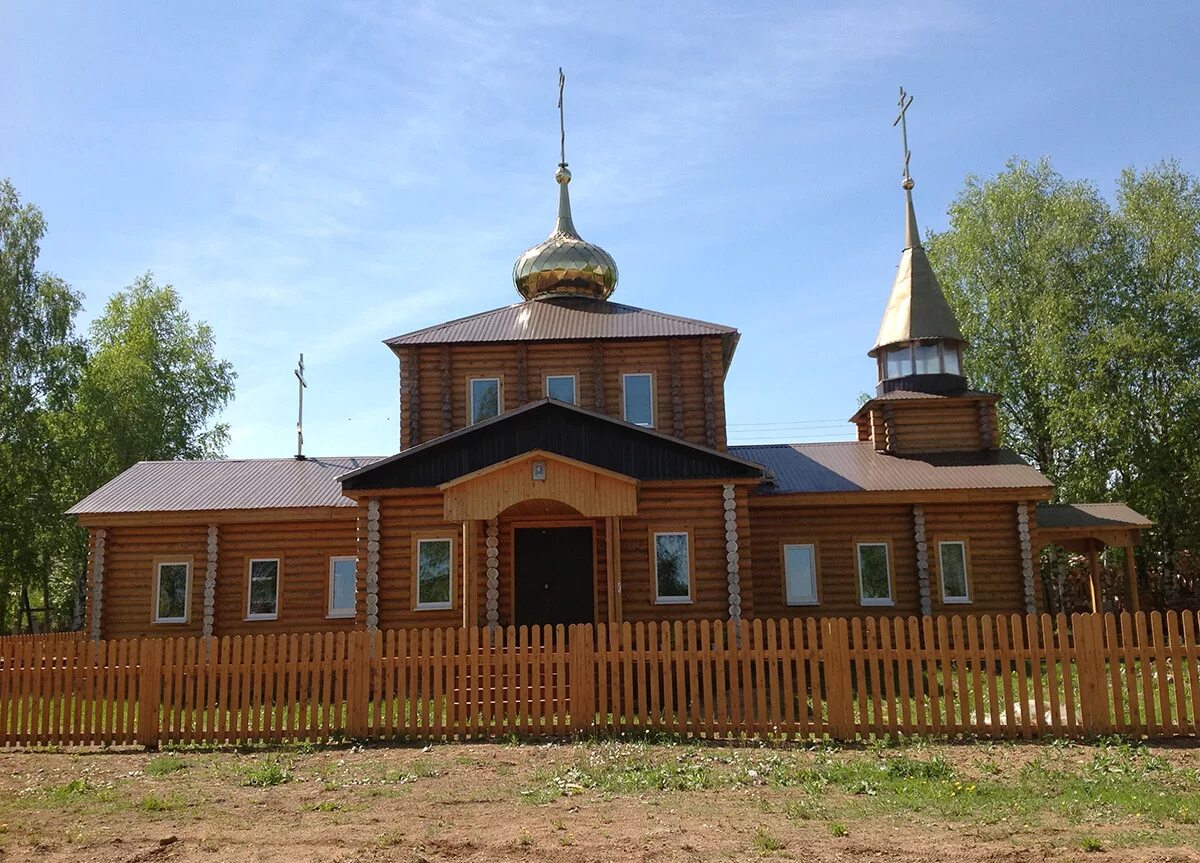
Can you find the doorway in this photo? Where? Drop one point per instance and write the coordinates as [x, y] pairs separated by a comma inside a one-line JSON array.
[[553, 576]]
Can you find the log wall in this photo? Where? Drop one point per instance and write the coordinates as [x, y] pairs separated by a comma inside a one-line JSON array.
[[689, 392]]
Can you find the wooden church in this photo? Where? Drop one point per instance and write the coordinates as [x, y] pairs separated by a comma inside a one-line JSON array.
[[564, 459]]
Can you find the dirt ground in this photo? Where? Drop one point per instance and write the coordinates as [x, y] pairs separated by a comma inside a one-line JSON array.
[[603, 801]]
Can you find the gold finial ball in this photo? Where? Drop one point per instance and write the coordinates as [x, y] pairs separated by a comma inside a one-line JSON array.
[[908, 184], [562, 175]]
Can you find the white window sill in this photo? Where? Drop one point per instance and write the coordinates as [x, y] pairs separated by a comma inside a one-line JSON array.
[[446, 606], [681, 600], [170, 621], [877, 603], [340, 615], [802, 603], [250, 618], [965, 600]]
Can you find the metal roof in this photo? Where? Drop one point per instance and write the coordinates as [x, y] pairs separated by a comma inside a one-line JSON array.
[[556, 318], [1099, 515], [917, 308], [184, 486], [856, 466]]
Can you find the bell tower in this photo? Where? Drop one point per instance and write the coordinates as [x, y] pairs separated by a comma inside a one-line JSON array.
[[922, 403], [919, 346]]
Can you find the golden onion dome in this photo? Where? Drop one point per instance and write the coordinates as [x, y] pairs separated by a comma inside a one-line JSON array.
[[565, 264]]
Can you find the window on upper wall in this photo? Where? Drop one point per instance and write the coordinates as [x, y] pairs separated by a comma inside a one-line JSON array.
[[874, 576], [672, 567], [434, 569], [952, 559], [341, 586], [637, 392], [899, 362], [172, 586], [485, 398], [262, 592], [561, 387], [927, 360], [950, 359], [800, 574]]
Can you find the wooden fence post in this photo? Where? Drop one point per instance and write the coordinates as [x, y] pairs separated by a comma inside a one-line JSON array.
[[1088, 632], [358, 684], [839, 690], [149, 696], [583, 678]]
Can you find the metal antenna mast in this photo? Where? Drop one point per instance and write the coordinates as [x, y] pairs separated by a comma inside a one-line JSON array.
[[902, 121], [302, 385]]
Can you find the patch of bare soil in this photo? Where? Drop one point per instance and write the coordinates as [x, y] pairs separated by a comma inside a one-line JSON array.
[[486, 802]]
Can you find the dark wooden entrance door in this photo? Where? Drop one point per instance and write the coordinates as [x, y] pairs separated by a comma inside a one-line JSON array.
[[553, 575]]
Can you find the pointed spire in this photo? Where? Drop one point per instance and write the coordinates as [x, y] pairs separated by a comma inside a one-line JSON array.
[[912, 234], [917, 310], [564, 225]]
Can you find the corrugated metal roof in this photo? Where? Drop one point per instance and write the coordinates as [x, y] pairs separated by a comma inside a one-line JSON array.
[[555, 318], [1098, 515], [183, 486], [856, 466]]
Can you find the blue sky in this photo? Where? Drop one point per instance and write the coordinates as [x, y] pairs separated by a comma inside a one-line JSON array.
[[318, 177]]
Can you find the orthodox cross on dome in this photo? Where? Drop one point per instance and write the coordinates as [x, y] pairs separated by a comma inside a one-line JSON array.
[[902, 121], [302, 385], [562, 126]]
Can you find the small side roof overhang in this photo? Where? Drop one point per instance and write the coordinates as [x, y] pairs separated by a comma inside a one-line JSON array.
[[1077, 525], [560, 429]]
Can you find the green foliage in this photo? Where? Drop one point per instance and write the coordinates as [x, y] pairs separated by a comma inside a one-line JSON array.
[[765, 843], [1085, 316], [74, 412]]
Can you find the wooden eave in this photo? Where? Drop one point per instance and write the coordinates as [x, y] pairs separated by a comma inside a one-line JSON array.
[[218, 516], [904, 496]]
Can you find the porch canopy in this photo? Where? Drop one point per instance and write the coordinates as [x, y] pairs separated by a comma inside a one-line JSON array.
[[547, 450], [1086, 528]]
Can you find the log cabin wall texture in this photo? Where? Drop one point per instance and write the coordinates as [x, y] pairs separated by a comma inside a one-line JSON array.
[[989, 530], [442, 374]]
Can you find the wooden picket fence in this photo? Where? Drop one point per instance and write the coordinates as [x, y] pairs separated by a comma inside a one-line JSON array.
[[993, 677]]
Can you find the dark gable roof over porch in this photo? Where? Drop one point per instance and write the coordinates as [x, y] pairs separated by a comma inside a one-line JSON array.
[[558, 428]]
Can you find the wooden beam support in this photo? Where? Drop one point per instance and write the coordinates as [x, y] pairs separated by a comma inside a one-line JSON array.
[[470, 580], [612, 539], [1135, 604], [1093, 556]]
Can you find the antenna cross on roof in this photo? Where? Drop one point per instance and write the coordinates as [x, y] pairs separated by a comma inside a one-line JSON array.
[[299, 372], [562, 128], [902, 120]]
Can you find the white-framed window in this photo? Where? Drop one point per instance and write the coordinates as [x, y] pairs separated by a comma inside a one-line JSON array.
[[262, 589], [952, 565], [562, 387], [637, 396], [172, 591], [874, 574], [484, 395], [927, 360], [899, 362], [434, 573], [672, 567], [342, 571], [800, 574]]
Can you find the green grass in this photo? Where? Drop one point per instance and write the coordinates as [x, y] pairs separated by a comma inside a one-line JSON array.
[[164, 765], [267, 773], [154, 803], [1083, 786], [765, 843]]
